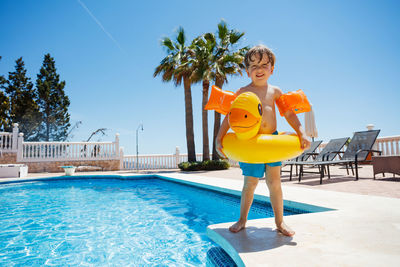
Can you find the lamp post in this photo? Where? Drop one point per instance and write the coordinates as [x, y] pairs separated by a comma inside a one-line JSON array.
[[137, 145]]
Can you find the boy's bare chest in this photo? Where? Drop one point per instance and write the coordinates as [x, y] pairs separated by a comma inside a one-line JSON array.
[[268, 109], [267, 100], [268, 120]]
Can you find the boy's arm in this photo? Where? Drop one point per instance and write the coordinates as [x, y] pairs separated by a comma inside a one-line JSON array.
[[292, 119], [223, 129]]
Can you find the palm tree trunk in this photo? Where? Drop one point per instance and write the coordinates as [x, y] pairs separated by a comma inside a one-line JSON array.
[[217, 124], [206, 145], [189, 121]]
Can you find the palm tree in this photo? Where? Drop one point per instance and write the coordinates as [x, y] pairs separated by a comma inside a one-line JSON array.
[[227, 61], [214, 60], [176, 66], [203, 47]]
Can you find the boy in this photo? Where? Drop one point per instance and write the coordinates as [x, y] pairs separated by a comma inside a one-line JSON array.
[[259, 62]]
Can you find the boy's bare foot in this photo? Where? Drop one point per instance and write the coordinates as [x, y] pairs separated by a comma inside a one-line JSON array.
[[285, 230], [238, 226]]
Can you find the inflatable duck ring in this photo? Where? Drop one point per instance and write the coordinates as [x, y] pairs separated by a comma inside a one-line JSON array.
[[245, 115]]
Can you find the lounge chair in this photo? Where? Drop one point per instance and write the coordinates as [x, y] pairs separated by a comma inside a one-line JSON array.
[[357, 151], [303, 157], [328, 153]]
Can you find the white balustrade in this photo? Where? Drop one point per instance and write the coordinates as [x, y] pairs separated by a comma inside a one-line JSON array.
[[6, 141], [152, 162], [67, 151], [388, 145]]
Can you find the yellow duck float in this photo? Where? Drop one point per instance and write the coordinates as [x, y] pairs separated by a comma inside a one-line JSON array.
[[244, 115]]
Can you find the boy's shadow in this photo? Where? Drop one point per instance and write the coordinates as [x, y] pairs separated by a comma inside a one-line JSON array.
[[254, 239]]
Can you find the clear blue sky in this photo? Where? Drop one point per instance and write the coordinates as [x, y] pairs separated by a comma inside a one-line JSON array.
[[345, 55]]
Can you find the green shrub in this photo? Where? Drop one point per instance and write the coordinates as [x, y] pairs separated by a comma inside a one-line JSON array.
[[207, 165]]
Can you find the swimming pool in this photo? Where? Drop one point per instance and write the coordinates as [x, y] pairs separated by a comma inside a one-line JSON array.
[[134, 221]]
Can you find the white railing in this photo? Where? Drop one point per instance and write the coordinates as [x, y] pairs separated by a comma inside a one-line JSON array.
[[149, 162], [388, 145], [152, 162], [67, 151], [8, 141]]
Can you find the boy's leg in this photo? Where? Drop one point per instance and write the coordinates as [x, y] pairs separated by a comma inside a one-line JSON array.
[[249, 186], [273, 180]]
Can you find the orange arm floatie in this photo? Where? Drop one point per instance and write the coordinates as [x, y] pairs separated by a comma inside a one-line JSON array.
[[294, 101], [220, 101]]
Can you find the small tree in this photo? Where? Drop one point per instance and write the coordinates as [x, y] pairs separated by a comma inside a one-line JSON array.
[[23, 107], [96, 149], [53, 103], [72, 129]]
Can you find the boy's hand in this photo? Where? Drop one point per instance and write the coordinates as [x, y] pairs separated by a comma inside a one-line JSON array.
[[304, 141]]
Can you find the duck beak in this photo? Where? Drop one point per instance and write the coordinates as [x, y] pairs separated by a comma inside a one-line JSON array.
[[241, 120]]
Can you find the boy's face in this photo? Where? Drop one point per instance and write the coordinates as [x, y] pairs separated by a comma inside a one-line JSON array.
[[259, 71]]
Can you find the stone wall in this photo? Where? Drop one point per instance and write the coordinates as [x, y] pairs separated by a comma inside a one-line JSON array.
[[8, 158], [54, 166]]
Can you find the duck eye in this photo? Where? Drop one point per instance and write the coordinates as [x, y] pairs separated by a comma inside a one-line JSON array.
[[245, 116]]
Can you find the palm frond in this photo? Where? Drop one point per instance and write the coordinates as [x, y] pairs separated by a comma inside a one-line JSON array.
[[181, 38], [167, 43], [210, 38], [235, 36], [222, 30]]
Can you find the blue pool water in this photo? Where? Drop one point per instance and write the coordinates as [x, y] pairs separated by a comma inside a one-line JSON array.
[[138, 222]]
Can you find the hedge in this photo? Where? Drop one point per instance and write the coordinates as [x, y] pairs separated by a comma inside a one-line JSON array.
[[207, 165]]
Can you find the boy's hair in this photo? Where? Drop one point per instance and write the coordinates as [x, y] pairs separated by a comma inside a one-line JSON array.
[[259, 50]]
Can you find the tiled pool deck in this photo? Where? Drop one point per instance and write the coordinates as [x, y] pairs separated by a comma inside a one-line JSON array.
[[362, 230]]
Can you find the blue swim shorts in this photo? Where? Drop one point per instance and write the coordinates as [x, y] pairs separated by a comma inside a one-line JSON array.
[[257, 169]]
